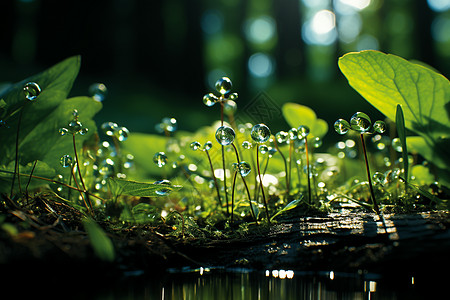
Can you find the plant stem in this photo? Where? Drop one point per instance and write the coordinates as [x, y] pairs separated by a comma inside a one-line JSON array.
[[79, 173], [245, 184], [291, 147], [262, 186], [374, 202], [78, 187], [223, 157], [285, 165], [308, 170], [16, 163], [214, 177], [232, 195], [29, 179]]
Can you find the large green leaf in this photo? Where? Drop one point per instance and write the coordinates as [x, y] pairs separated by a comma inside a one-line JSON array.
[[296, 115], [386, 80], [41, 119]]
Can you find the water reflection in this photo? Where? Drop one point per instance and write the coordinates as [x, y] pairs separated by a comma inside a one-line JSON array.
[[206, 283]]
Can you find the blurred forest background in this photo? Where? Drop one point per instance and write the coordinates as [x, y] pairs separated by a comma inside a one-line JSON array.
[[158, 58]]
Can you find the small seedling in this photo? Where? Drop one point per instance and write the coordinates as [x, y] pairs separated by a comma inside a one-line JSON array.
[[361, 123]]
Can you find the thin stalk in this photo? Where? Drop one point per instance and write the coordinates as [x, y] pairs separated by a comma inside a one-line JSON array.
[[78, 187], [16, 163], [54, 181], [232, 196], [291, 147], [79, 173], [285, 165], [223, 157], [262, 187], [374, 202], [308, 171], [245, 184], [29, 179], [214, 177]]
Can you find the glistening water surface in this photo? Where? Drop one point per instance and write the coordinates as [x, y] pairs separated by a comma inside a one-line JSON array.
[[204, 283]]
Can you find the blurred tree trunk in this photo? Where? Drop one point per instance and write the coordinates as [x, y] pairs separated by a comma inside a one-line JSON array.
[[290, 55]]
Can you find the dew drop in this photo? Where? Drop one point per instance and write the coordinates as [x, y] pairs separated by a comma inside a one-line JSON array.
[[223, 85], [317, 142], [109, 128], [303, 131], [272, 151], [233, 96], [260, 133], [195, 146], [341, 126], [225, 135], [160, 159], [244, 168], [263, 149], [31, 90], [75, 126], [229, 107], [169, 124], [210, 99], [63, 131], [83, 131], [98, 91], [379, 126], [208, 145], [162, 191], [247, 145], [121, 134], [281, 137], [397, 145], [379, 177], [293, 134], [360, 122], [66, 161]]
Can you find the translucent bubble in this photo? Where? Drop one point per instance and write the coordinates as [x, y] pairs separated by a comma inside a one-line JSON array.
[[232, 96], [229, 107], [317, 142], [163, 191], [303, 131], [225, 135], [281, 137], [244, 168], [66, 161], [341, 126], [379, 177], [31, 90], [293, 134], [169, 124], [260, 133], [210, 99], [223, 85], [392, 175], [360, 122], [109, 128], [263, 149], [247, 145], [75, 126], [83, 131], [195, 146], [63, 131], [121, 134], [397, 145], [160, 159], [379, 126], [75, 114], [98, 91], [208, 145]]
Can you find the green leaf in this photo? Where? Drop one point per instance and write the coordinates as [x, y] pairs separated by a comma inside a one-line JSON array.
[[143, 213], [103, 247], [139, 189], [386, 80], [291, 205], [41, 170], [401, 130], [296, 115]]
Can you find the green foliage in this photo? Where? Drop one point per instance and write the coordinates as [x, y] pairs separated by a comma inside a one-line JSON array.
[[386, 80], [41, 119], [101, 243], [401, 131], [296, 115], [140, 189]]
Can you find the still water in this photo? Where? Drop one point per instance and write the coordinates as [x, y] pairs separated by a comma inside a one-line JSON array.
[[204, 283]]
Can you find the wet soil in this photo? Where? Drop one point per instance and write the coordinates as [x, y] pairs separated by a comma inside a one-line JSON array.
[[54, 243]]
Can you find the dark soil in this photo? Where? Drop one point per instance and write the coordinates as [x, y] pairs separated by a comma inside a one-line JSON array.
[[51, 241]]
